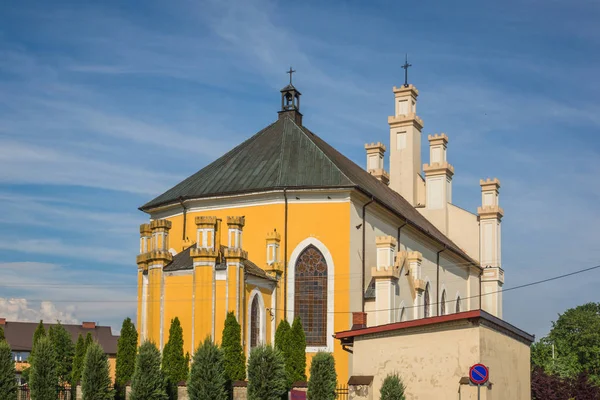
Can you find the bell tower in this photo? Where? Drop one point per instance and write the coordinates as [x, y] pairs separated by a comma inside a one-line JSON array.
[[290, 101]]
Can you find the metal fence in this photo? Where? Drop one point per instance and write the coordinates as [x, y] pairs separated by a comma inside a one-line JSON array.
[[341, 393], [62, 393]]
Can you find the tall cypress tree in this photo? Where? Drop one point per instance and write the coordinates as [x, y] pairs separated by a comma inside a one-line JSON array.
[[282, 343], [174, 366], [323, 378], [126, 351], [95, 379], [64, 350], [39, 333], [297, 360], [78, 361], [8, 384], [207, 378], [43, 378], [2, 333], [233, 353], [147, 382], [266, 374]]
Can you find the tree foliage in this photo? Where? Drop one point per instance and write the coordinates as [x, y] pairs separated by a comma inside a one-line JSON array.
[[64, 351], [283, 344], [43, 378], [392, 388], [174, 366], [267, 378], [323, 378], [39, 333], [78, 360], [147, 382], [207, 378], [8, 384], [2, 333], [95, 380], [233, 353], [576, 339], [297, 360], [126, 352], [545, 386]]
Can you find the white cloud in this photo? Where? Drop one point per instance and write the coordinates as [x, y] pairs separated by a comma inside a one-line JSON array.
[[20, 310]]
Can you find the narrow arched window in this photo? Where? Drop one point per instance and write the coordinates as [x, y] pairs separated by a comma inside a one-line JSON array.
[[458, 304], [402, 315], [426, 302], [254, 323], [443, 304], [310, 296]]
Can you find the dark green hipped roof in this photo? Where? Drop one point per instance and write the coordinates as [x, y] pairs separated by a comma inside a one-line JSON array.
[[286, 155]]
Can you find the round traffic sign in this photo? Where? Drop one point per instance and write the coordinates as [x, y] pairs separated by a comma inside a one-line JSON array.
[[479, 374]]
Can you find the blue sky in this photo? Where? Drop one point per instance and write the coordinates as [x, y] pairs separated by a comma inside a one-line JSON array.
[[104, 105]]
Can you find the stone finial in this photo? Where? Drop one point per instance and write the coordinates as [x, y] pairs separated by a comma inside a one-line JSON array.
[[160, 224], [490, 212], [375, 148], [385, 241], [206, 221], [437, 168], [273, 237], [145, 230], [236, 221], [489, 184], [403, 90], [436, 139], [414, 256]]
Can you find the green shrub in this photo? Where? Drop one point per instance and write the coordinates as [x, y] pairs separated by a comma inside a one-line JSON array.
[[148, 382], [267, 379], [323, 378], [126, 352], [64, 351], [8, 384], [233, 352], [95, 379], [43, 379], [392, 388], [297, 358], [174, 366], [207, 378]]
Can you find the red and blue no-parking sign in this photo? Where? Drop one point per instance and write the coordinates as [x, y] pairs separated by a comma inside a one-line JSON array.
[[479, 374]]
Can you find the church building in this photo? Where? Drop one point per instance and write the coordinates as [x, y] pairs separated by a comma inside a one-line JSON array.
[[286, 226]]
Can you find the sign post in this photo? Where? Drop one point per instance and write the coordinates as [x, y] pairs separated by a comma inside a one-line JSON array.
[[479, 375]]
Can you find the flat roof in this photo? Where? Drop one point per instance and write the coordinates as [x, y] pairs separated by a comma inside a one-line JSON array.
[[473, 316]]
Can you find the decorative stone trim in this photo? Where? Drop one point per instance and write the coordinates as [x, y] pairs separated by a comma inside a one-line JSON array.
[[145, 230], [493, 274], [273, 237], [238, 222], [405, 120], [380, 174], [373, 148], [489, 184], [391, 272], [490, 212], [160, 225], [202, 254], [435, 169], [206, 221], [159, 255], [231, 254], [385, 241], [441, 139]]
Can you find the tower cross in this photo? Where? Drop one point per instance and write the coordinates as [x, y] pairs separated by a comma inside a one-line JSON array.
[[291, 71], [405, 67]]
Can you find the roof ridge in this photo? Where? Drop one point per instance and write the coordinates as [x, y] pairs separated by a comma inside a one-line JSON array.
[[302, 129]]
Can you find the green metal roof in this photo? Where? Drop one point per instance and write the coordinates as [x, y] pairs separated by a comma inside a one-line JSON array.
[[286, 155]]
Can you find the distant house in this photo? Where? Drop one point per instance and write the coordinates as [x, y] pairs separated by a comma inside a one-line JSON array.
[[19, 336]]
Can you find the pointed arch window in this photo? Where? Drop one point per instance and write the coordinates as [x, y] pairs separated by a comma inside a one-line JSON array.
[[402, 316], [310, 295], [426, 302], [443, 303], [254, 323], [458, 304]]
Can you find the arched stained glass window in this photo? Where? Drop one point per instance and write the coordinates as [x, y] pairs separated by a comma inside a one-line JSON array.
[[310, 296], [254, 323], [426, 302], [443, 304]]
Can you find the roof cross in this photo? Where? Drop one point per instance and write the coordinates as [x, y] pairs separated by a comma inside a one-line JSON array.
[[405, 67], [291, 71]]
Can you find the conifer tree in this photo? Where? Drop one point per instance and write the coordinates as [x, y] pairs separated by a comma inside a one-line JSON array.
[[207, 378], [89, 339], [43, 379], [323, 378], [174, 367], [8, 384], [147, 382], [392, 388], [126, 352], [267, 379], [64, 351], [2, 333], [233, 352], [39, 333], [282, 343], [95, 379], [297, 359], [78, 361]]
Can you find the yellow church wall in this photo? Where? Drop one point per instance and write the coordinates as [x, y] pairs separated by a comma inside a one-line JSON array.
[[266, 295], [178, 296], [328, 221]]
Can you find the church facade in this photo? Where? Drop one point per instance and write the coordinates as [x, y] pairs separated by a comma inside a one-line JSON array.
[[285, 226]]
